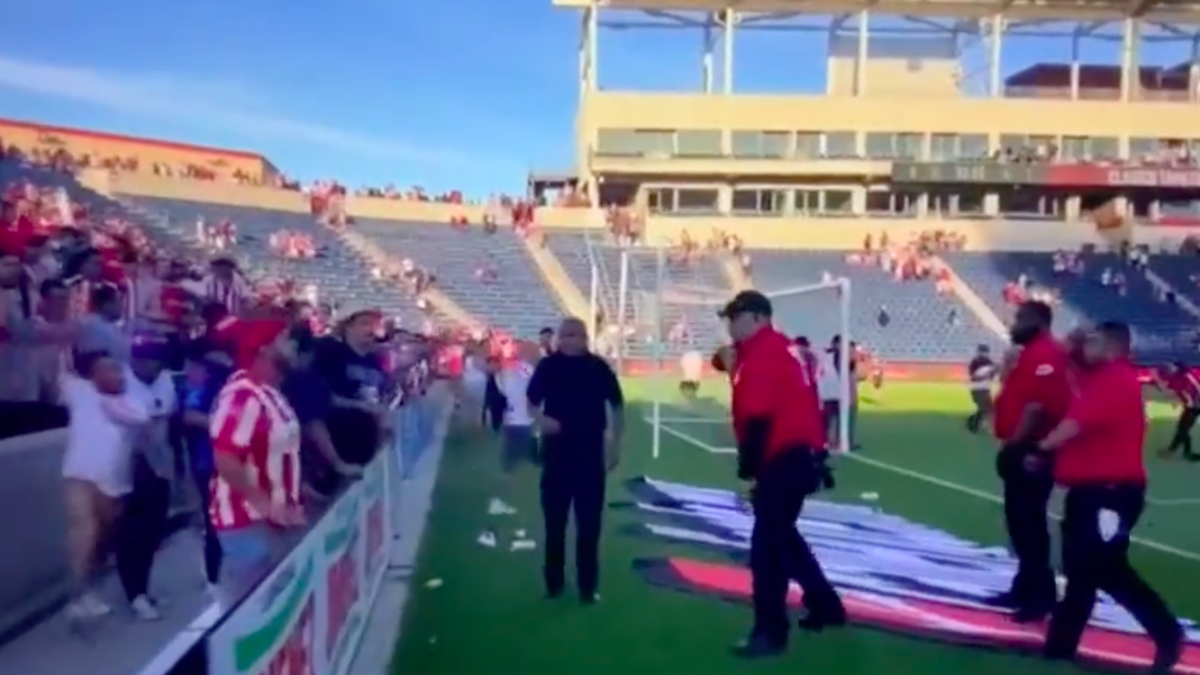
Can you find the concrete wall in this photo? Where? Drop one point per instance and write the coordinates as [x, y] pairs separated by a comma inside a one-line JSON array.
[[79, 142], [884, 114], [33, 567]]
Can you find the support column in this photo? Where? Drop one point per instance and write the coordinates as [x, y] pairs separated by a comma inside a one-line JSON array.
[[585, 52], [1075, 56], [996, 40], [860, 59], [706, 63], [1129, 59], [731, 19], [1194, 70]]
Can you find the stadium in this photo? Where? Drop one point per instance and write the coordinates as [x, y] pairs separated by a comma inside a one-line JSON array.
[[911, 206]]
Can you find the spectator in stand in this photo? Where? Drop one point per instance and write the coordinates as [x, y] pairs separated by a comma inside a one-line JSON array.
[[324, 471], [100, 330], [256, 447], [144, 520], [97, 469], [349, 365], [226, 285]]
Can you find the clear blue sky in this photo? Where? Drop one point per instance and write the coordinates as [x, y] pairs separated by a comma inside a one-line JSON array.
[[460, 93]]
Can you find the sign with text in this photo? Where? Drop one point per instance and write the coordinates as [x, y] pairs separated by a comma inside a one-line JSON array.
[[308, 616], [1047, 175]]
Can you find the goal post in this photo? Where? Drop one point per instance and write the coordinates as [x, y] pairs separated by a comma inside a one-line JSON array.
[[668, 306], [805, 310]]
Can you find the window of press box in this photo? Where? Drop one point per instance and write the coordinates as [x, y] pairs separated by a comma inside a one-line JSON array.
[[696, 200], [759, 201]]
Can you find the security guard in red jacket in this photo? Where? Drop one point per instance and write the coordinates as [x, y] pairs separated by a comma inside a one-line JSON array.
[[781, 440], [1096, 454]]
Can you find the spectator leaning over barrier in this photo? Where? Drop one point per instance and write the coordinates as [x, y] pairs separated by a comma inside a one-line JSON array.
[[349, 364], [144, 520], [323, 470], [256, 450], [96, 468]]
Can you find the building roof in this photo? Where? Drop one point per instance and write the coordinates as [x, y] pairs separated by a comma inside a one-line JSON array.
[[1177, 11], [131, 140]]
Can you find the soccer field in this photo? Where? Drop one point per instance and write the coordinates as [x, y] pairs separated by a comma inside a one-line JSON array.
[[920, 480]]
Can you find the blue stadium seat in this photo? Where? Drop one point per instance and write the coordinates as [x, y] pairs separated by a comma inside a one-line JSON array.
[[1161, 331], [340, 274], [518, 301], [924, 326]]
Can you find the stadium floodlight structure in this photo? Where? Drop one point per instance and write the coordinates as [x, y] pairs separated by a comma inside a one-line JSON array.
[[657, 296]]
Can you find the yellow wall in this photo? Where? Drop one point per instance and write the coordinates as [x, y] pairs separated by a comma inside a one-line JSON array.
[[29, 137], [821, 113], [848, 233]]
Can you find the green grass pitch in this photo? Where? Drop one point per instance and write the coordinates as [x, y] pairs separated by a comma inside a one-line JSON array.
[[489, 616]]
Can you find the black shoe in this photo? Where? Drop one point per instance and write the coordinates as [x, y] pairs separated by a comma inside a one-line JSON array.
[[1030, 614], [553, 592], [758, 647], [1007, 600], [1167, 655], [817, 621], [589, 597], [1191, 457]]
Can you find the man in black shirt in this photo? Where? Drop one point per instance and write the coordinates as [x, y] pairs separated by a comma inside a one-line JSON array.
[[576, 401], [981, 372], [351, 369]]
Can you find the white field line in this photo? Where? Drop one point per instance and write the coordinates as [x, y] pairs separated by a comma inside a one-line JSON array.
[[949, 485]]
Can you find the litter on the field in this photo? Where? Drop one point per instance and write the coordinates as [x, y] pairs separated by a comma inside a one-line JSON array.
[[519, 534], [523, 545], [433, 583], [869, 496], [487, 539], [497, 507]]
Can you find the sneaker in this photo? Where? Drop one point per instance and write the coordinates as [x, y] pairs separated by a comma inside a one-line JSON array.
[[88, 606], [144, 609]]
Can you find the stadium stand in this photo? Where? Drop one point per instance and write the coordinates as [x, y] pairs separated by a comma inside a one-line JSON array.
[[327, 270], [922, 325], [488, 274], [1162, 329]]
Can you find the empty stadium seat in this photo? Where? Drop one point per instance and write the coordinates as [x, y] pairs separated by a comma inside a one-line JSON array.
[[518, 301], [1161, 331], [339, 273], [924, 326]]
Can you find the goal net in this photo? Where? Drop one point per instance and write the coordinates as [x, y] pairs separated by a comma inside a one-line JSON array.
[[666, 320]]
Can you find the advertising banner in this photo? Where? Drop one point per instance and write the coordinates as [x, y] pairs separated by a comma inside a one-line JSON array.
[[308, 616]]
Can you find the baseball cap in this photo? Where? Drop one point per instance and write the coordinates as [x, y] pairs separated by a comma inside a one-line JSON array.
[[752, 302]]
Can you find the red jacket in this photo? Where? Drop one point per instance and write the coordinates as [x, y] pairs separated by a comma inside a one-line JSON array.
[[769, 383]]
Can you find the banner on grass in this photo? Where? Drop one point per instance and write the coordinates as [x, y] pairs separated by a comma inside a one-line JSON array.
[[892, 573], [308, 616]]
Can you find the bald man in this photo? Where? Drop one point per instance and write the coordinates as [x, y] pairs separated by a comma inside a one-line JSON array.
[[576, 401]]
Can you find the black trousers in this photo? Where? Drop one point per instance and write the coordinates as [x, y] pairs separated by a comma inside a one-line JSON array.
[[573, 476], [212, 546], [142, 528], [1026, 498], [983, 409], [1183, 431], [778, 553], [1095, 541]]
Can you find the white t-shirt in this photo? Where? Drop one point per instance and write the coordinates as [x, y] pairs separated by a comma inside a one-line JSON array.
[[160, 401], [828, 381], [100, 436], [514, 383]]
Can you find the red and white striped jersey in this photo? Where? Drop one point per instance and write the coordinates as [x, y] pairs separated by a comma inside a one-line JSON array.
[[233, 294], [1186, 387], [254, 423]]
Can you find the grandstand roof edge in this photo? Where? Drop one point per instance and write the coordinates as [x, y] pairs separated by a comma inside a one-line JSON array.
[[123, 138], [1182, 11]]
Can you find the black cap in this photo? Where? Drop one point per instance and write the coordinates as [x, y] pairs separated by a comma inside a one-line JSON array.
[[747, 301]]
